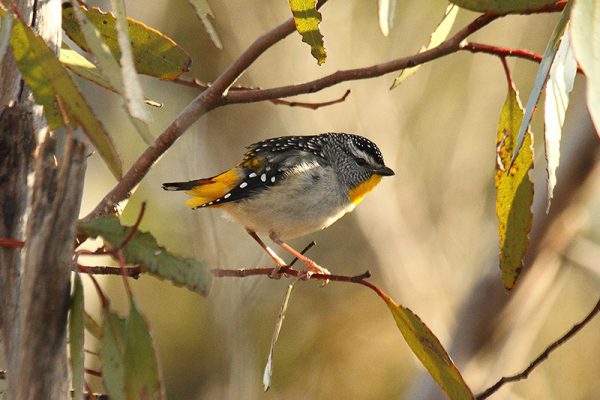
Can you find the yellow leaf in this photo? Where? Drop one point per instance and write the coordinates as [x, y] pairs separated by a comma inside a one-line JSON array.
[[428, 349], [154, 53], [514, 189], [307, 20]]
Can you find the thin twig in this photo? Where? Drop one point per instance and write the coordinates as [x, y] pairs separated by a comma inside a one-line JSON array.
[[304, 250], [474, 47], [543, 356], [12, 243], [286, 270], [134, 228], [312, 106], [132, 272], [198, 84]]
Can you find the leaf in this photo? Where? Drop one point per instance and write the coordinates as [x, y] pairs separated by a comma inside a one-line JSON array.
[[541, 76], [429, 351], [387, 12], [112, 350], [514, 190], [154, 54], [82, 67], [203, 11], [438, 36], [307, 20], [132, 93], [76, 338], [559, 86], [269, 367], [143, 250], [585, 31], [502, 6], [141, 375], [47, 79]]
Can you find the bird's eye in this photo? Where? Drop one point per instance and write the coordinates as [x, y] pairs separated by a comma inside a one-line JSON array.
[[362, 162]]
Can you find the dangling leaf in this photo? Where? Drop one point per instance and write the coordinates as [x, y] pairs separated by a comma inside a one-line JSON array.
[[204, 11], [585, 30], [143, 250], [502, 6], [154, 54], [438, 36], [430, 352], [514, 189], [268, 373], [140, 369], [387, 12], [307, 20], [559, 86], [45, 76], [112, 349]]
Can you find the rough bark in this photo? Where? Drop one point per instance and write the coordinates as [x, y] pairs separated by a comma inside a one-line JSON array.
[[39, 204]]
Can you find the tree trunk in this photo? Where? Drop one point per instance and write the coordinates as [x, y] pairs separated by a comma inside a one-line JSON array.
[[40, 195]]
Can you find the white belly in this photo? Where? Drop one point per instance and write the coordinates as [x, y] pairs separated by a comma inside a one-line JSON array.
[[300, 205]]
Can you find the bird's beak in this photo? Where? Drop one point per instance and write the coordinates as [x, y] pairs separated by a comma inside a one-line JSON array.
[[384, 171]]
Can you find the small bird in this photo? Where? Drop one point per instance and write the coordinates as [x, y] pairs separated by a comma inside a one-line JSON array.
[[290, 186]]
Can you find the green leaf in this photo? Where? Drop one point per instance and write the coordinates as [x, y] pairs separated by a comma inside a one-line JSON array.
[[542, 75], [45, 76], [76, 338], [307, 20], [514, 190], [112, 350], [387, 12], [428, 349], [585, 31], [438, 36], [559, 86], [82, 67], [154, 54], [143, 250], [204, 11], [141, 375], [502, 6]]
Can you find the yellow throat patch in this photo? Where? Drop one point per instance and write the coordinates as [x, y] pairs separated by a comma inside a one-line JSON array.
[[359, 192]]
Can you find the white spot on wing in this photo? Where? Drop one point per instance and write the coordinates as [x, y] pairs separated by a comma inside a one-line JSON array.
[[243, 185], [263, 177]]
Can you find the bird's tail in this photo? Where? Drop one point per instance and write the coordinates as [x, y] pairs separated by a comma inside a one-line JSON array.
[[204, 191]]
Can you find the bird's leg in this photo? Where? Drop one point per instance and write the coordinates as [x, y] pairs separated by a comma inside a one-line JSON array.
[[312, 266], [278, 261]]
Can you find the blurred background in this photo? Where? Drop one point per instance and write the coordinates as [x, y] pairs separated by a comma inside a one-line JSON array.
[[428, 234]]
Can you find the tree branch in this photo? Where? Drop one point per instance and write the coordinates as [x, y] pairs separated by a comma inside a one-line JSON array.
[[217, 94], [543, 356], [204, 102]]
